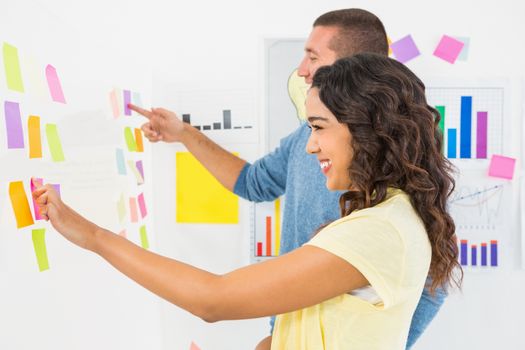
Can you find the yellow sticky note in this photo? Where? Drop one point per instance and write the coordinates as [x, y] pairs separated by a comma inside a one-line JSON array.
[[20, 204], [144, 237], [35, 139], [200, 197], [12, 68], [53, 140], [138, 140], [39, 243], [121, 208], [130, 140]]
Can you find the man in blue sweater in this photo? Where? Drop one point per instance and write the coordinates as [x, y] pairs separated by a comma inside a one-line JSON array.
[[289, 170]]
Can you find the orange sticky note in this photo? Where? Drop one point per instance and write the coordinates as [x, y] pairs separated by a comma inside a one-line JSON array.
[[35, 138], [138, 140], [20, 204]]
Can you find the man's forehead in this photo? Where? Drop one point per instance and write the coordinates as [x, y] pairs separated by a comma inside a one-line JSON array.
[[320, 38]]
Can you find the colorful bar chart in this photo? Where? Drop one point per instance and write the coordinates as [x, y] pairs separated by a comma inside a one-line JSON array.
[[266, 229], [480, 255], [471, 120]]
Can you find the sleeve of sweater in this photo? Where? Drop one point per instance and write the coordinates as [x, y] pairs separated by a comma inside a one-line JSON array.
[[265, 179]]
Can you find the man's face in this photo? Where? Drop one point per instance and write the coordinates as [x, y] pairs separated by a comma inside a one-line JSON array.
[[316, 52]]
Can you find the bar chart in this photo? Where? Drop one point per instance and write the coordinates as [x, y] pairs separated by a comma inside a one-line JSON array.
[[484, 254], [266, 230], [471, 120], [224, 115], [226, 123]]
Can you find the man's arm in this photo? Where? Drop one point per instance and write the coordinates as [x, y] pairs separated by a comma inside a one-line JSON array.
[[164, 125]]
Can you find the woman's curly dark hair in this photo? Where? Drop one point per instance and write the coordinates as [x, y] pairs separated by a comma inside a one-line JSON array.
[[396, 143]]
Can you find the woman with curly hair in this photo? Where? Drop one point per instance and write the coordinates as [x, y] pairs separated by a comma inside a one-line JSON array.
[[356, 283]]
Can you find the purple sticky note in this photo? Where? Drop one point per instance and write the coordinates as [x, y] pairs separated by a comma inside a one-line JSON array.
[[142, 205], [405, 49], [448, 49], [57, 188], [140, 168], [127, 101], [13, 124], [55, 88], [501, 166]]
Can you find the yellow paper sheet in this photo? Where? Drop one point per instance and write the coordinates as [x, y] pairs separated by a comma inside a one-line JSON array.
[[200, 197], [12, 68]]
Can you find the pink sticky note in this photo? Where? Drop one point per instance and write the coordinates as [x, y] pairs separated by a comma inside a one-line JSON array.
[[448, 49], [13, 124], [54, 84], [501, 166], [194, 346], [38, 216], [114, 103], [123, 234], [133, 209], [405, 49], [142, 205]]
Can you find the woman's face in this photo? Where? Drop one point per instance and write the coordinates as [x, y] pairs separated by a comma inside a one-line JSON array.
[[330, 142]]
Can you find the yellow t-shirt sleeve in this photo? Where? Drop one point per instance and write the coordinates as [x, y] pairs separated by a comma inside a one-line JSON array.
[[374, 247]]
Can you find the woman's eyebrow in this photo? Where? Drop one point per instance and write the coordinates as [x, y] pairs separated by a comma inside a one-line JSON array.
[[316, 118]]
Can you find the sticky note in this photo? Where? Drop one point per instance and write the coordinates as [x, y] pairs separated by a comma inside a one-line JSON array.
[[200, 198], [127, 101], [20, 204], [130, 140], [138, 140], [55, 88], [137, 101], [142, 205], [448, 49], [389, 41], [463, 55], [53, 141], [194, 346], [36, 208], [113, 101], [13, 125], [39, 243], [123, 233], [121, 208], [140, 169], [12, 68], [297, 90], [121, 163], [56, 187], [405, 49], [144, 237], [133, 167], [501, 166], [133, 210], [34, 136]]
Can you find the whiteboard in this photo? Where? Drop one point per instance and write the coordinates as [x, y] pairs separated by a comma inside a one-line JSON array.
[[80, 302]]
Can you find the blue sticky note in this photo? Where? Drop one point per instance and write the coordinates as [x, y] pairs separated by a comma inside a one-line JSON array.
[[121, 164]]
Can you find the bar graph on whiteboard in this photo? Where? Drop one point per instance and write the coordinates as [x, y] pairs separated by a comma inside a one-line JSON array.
[[471, 120], [479, 207], [265, 227]]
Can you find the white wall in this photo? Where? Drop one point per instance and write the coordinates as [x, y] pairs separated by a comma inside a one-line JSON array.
[[219, 44]]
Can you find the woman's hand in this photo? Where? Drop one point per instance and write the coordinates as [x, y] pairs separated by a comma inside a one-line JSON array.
[[65, 220]]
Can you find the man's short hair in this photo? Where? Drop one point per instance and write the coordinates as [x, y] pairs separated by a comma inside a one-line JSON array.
[[359, 31]]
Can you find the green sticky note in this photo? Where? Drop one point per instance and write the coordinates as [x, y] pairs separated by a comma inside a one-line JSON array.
[[130, 140], [12, 68], [39, 243], [144, 237], [53, 140]]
